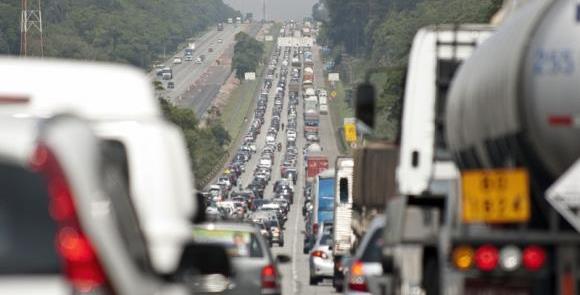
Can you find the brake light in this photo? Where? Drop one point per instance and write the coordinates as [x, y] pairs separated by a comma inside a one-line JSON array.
[[486, 257], [534, 258], [269, 277], [81, 264], [357, 281], [315, 228], [320, 254]]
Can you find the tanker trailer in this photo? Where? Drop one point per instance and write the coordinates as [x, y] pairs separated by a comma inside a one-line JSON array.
[[512, 130]]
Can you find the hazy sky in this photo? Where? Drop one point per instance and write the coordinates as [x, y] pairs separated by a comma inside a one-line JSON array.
[[275, 9]]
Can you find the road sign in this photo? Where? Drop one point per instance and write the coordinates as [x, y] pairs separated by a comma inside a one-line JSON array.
[[350, 130], [250, 76], [268, 38], [333, 77], [564, 195], [333, 94], [496, 196]]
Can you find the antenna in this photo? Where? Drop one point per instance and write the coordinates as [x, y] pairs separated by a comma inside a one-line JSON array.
[[31, 29], [263, 11]]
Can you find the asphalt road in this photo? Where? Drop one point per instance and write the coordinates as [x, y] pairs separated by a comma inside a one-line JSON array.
[[296, 273], [196, 85]]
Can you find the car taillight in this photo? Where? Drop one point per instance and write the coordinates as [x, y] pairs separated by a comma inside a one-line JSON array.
[[533, 258], [315, 228], [320, 254], [82, 267], [486, 257], [269, 277], [357, 281]]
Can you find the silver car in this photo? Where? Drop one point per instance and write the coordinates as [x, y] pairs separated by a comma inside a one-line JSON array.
[[320, 259], [366, 262], [255, 269]]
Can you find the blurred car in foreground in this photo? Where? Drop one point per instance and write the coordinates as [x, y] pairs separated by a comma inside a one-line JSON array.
[[120, 106], [366, 261], [66, 218], [255, 269]]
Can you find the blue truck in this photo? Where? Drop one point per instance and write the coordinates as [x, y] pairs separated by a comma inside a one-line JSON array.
[[323, 200]]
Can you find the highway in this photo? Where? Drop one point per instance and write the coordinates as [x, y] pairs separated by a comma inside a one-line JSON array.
[[296, 273], [196, 85]]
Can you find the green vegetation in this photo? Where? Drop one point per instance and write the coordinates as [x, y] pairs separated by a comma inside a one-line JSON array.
[[379, 33], [339, 109], [207, 146], [239, 104], [134, 31], [242, 99], [248, 53]]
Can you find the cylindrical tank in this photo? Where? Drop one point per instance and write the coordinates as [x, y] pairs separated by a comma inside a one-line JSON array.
[[516, 101]]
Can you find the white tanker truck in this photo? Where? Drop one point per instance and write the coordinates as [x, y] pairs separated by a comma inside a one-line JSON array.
[[507, 223], [511, 127]]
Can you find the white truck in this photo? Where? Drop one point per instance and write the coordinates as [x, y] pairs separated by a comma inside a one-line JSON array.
[[426, 176], [343, 237]]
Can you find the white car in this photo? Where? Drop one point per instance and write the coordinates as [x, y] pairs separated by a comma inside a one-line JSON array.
[[320, 258], [57, 165], [177, 60], [124, 112]]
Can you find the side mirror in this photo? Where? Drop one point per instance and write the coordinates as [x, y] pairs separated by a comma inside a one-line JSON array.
[[365, 104], [283, 258]]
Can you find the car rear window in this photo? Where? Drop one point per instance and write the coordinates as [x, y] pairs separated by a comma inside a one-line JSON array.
[[373, 252], [27, 231], [326, 240], [238, 243]]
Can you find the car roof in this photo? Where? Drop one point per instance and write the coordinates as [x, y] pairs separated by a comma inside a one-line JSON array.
[[82, 88]]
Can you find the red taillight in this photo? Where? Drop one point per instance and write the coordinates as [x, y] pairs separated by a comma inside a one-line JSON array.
[[315, 228], [269, 277], [357, 281], [82, 267], [533, 258], [486, 257], [320, 254]]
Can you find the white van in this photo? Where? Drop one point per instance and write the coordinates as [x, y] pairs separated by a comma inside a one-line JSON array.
[[119, 103]]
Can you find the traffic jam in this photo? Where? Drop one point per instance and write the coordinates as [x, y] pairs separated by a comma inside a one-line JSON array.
[[477, 195], [264, 180]]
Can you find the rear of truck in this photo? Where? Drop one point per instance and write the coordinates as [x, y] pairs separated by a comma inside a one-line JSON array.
[[510, 127]]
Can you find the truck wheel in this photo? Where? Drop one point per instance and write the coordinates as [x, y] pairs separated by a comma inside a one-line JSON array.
[[313, 281], [281, 244], [431, 273]]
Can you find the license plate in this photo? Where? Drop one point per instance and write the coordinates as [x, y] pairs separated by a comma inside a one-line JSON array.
[[495, 196]]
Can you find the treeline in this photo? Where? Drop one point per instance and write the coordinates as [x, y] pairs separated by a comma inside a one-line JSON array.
[[248, 53], [133, 31], [380, 33], [206, 145]]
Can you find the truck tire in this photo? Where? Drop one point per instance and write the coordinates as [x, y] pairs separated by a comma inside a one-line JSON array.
[[431, 272], [314, 281]]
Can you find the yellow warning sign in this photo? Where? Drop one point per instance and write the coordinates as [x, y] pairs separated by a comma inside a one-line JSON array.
[[350, 132]]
